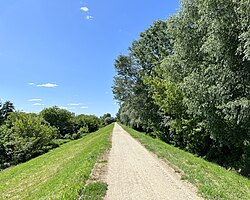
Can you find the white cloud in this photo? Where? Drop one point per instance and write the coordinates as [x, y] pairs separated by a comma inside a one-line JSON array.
[[74, 104], [72, 108], [31, 83], [35, 100], [89, 17], [84, 107], [38, 104], [63, 107], [50, 85], [84, 8]]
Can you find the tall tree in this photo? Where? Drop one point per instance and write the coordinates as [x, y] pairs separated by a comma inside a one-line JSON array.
[[130, 88], [194, 78], [59, 118], [211, 49], [5, 110]]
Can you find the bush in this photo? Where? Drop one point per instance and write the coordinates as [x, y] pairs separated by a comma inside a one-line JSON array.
[[83, 131], [67, 136], [24, 136]]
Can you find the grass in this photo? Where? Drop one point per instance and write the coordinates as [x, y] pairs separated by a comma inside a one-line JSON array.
[[58, 174], [95, 191], [212, 181]]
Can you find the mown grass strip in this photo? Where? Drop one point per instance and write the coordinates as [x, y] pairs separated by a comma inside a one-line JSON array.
[[58, 174], [212, 181]]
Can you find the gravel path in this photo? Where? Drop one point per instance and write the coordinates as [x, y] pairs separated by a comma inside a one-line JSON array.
[[134, 173]]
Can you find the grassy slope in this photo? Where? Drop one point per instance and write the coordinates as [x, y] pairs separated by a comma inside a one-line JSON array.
[[58, 174], [212, 181]]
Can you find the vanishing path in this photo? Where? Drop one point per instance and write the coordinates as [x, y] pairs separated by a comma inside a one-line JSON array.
[[135, 174]]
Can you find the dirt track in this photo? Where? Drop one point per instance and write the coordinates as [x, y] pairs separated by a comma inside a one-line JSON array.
[[135, 174]]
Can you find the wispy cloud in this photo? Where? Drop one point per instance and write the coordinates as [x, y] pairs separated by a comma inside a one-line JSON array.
[[35, 100], [38, 104], [31, 83], [84, 8], [84, 107], [49, 85], [63, 107], [74, 104], [89, 17]]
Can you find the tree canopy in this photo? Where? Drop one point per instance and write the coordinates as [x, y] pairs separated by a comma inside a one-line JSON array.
[[186, 80], [26, 135]]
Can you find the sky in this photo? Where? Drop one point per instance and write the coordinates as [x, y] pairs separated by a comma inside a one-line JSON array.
[[62, 52]]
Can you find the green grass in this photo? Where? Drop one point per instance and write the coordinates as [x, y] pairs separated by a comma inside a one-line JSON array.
[[212, 181], [95, 191], [58, 174]]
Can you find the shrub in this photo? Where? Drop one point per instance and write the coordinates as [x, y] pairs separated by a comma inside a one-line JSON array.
[[83, 131], [24, 136]]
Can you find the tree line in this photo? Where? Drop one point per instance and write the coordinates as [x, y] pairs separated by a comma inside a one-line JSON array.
[[186, 81], [26, 135]]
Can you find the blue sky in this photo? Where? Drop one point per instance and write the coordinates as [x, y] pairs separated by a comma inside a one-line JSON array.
[[62, 52]]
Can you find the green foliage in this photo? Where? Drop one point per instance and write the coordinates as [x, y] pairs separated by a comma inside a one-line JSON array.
[[5, 110], [24, 136], [215, 75], [167, 95], [59, 118], [152, 47], [187, 81], [92, 123], [127, 78], [79, 122], [130, 88], [243, 12], [109, 120], [82, 131]]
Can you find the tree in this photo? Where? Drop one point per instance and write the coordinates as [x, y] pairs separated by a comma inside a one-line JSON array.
[[152, 47], [211, 51], [127, 78], [24, 136], [5, 110], [59, 118], [78, 123], [107, 119], [130, 87], [91, 122], [106, 115], [192, 81]]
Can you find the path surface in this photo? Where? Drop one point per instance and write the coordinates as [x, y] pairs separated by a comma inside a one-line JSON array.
[[135, 174]]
